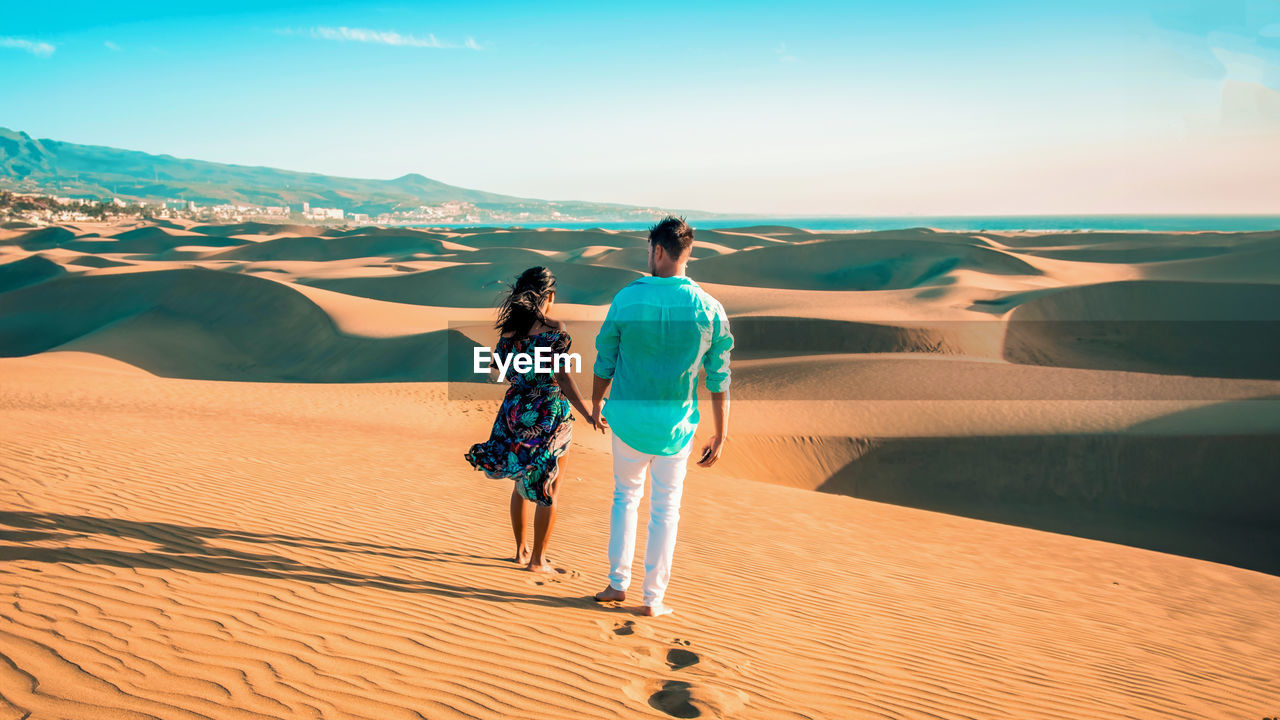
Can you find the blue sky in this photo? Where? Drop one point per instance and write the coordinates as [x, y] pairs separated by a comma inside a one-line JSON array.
[[802, 108]]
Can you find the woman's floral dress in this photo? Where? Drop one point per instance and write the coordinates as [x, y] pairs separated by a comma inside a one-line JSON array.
[[534, 424]]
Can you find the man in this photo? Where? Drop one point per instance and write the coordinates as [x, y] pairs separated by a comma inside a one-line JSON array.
[[658, 332]]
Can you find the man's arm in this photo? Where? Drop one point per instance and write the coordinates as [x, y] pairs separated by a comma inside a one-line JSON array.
[[607, 344], [716, 365], [599, 386], [715, 444]]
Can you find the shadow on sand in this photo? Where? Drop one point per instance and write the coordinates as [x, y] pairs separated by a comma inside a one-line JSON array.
[[188, 548], [1211, 497]]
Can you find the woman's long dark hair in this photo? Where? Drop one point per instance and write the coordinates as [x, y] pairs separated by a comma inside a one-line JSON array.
[[522, 307]]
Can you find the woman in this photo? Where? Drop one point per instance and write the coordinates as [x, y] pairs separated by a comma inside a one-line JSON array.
[[534, 425]]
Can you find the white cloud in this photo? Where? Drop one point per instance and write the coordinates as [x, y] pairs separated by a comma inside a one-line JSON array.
[[41, 49], [111, 46], [385, 37]]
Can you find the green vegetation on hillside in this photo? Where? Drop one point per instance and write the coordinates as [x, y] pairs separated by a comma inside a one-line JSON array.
[[92, 171]]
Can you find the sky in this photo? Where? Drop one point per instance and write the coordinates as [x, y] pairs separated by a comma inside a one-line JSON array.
[[790, 109]]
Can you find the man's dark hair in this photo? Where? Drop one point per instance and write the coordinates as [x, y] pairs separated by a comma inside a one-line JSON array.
[[673, 234]]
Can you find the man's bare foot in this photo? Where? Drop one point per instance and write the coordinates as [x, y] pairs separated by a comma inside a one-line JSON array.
[[655, 610], [540, 567], [609, 594], [522, 555]]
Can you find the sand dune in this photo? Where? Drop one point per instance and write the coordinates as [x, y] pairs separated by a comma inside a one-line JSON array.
[[86, 260], [335, 248], [856, 263], [28, 271], [200, 323], [783, 336], [971, 475], [1137, 247], [1196, 495], [317, 552], [1188, 328], [480, 285], [509, 256], [42, 238], [922, 376], [261, 228], [744, 238], [587, 253], [558, 240], [637, 257], [1248, 265], [146, 241]]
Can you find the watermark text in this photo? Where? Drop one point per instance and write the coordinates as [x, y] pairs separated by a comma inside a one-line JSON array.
[[541, 360]]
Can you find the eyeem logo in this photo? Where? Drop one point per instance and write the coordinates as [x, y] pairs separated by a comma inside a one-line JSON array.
[[542, 360]]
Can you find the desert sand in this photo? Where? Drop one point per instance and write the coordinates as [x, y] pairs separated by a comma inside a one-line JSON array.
[[970, 475]]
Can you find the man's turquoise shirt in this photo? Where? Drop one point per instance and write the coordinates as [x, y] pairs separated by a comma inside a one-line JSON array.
[[657, 334]]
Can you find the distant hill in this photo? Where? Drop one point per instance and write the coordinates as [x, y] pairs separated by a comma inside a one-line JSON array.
[[94, 171]]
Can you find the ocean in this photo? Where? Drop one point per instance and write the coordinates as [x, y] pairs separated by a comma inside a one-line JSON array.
[[992, 223]]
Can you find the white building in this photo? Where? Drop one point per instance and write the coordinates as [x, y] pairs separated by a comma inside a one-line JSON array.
[[324, 213]]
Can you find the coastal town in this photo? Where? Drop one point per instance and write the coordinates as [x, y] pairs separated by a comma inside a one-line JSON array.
[[38, 208]]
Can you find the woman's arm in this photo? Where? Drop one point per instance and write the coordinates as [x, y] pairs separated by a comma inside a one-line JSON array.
[[570, 390]]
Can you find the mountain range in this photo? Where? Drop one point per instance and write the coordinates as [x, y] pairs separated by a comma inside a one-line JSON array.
[[93, 171]]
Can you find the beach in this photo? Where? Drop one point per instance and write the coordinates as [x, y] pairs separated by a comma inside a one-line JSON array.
[[970, 475]]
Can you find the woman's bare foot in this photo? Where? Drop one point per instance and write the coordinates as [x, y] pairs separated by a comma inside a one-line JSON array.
[[522, 555], [609, 594], [543, 566]]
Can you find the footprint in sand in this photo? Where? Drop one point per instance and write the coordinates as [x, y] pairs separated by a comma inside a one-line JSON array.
[[675, 699], [681, 699], [555, 577], [654, 655], [702, 695], [650, 650], [631, 632], [679, 658]]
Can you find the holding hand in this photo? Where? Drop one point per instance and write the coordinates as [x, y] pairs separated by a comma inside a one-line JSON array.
[[570, 389], [597, 420]]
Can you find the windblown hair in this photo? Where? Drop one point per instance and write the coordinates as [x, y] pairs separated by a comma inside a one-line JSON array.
[[673, 234], [521, 308]]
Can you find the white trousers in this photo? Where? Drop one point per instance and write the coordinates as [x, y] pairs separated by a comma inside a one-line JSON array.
[[668, 471]]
